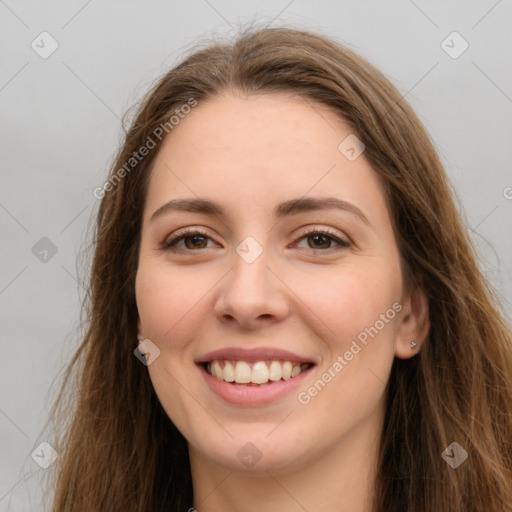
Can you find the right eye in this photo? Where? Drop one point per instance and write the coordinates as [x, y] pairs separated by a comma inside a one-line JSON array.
[[187, 240]]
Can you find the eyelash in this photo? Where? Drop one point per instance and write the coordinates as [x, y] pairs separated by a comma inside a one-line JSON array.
[[187, 233]]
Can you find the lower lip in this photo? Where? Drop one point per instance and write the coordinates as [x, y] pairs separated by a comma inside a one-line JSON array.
[[238, 394]]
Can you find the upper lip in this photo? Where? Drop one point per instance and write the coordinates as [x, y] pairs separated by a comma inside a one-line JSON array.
[[252, 355]]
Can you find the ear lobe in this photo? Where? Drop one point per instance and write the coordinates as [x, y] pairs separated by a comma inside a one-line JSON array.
[[413, 324]]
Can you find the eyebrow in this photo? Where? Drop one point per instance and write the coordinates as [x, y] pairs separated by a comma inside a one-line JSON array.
[[284, 209]]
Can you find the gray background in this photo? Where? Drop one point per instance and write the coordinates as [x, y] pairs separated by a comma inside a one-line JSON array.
[[60, 127]]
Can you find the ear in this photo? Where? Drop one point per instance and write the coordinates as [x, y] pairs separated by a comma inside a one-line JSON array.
[[413, 324]]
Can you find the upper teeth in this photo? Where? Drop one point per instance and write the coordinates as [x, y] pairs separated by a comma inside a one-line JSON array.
[[242, 373]]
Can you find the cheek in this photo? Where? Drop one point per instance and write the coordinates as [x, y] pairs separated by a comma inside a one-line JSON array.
[[166, 302], [357, 308], [351, 300], [170, 305]]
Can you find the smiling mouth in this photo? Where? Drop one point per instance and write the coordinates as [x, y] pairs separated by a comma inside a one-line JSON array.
[[258, 373]]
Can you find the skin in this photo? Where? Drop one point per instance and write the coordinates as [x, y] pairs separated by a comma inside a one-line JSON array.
[[307, 295]]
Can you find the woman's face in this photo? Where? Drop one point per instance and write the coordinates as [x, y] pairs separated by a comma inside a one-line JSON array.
[[267, 249]]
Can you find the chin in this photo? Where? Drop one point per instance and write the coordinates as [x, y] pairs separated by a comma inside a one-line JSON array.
[[255, 453]]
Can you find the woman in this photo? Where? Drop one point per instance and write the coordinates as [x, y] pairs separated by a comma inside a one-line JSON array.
[[285, 311]]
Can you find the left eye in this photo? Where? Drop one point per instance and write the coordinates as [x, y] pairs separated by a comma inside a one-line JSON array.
[[322, 240]]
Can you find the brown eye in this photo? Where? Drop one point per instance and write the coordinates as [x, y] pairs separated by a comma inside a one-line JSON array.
[[321, 240], [196, 242], [187, 241]]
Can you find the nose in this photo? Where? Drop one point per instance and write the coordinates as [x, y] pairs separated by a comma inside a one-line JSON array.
[[251, 296]]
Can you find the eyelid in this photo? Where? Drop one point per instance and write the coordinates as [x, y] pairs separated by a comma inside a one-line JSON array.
[[185, 231], [317, 228], [337, 236]]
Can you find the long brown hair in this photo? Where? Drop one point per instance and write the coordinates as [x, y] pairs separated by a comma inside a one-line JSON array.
[[119, 451]]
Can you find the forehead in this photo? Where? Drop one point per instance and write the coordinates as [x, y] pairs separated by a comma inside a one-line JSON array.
[[259, 150], [251, 125]]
